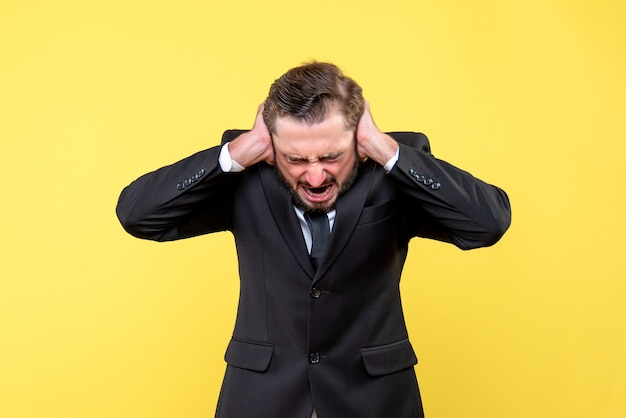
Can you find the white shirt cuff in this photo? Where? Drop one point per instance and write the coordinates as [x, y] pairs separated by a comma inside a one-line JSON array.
[[227, 164], [392, 161]]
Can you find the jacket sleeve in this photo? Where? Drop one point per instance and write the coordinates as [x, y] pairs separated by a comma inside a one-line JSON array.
[[443, 202], [185, 199]]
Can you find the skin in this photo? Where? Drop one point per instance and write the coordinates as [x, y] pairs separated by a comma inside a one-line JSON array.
[[315, 160]]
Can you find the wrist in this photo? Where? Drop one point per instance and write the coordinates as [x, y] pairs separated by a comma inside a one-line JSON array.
[[227, 163], [382, 148]]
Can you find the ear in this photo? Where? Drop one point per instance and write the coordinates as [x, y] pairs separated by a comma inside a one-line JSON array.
[[272, 162], [360, 158]]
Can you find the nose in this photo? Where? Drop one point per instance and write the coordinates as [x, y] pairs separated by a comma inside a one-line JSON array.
[[315, 175]]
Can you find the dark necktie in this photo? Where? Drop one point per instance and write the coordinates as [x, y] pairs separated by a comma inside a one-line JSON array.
[[320, 232]]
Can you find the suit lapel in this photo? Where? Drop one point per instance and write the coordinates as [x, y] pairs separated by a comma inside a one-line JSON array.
[[279, 200], [349, 208]]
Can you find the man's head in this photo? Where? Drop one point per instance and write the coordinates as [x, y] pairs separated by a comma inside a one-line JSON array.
[[306, 93], [312, 112]]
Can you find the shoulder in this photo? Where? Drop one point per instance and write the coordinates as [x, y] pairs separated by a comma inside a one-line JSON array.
[[231, 134], [416, 140]]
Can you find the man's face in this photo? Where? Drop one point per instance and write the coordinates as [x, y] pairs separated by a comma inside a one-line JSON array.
[[317, 162]]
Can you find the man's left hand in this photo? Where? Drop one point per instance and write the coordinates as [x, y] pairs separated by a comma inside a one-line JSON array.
[[371, 142]]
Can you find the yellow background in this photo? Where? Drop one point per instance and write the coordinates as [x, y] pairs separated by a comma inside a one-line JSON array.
[[529, 95]]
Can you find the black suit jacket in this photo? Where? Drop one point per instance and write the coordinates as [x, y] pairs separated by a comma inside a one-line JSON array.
[[334, 339]]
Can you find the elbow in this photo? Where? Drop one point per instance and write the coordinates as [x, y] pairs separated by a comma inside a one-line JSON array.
[[486, 237], [498, 219], [496, 229], [131, 220], [489, 228], [130, 223]]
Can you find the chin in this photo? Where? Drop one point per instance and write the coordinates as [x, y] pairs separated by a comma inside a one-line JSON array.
[[308, 206]]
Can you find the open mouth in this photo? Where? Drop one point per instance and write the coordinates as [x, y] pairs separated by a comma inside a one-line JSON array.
[[318, 193]]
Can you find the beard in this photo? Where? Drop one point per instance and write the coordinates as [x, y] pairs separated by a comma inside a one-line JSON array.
[[300, 203]]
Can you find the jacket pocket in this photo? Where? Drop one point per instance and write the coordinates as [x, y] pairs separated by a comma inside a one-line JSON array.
[[389, 358], [248, 355], [377, 213]]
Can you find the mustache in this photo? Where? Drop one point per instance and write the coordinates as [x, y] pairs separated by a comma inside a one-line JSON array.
[[329, 180]]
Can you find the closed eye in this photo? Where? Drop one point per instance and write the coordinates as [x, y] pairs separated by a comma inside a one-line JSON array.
[[295, 160], [331, 157]]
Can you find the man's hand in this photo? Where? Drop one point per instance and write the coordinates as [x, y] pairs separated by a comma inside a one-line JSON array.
[[254, 146], [371, 142]]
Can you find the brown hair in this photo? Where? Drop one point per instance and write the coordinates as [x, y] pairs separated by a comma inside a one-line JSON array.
[[307, 92]]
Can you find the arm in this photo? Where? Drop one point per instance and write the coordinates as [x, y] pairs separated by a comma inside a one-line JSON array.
[[454, 206], [440, 200], [194, 195], [188, 198]]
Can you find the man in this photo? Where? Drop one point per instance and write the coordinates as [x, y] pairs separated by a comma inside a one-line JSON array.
[[319, 328]]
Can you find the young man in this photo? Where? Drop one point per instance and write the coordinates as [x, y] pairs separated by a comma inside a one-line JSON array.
[[322, 206]]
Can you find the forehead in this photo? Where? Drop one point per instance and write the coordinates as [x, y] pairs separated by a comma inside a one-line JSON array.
[[294, 137]]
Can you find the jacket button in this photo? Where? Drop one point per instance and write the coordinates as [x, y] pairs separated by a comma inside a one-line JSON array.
[[316, 293], [435, 186], [314, 358]]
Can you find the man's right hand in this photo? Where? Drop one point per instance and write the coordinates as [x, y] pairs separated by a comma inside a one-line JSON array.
[[253, 146]]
